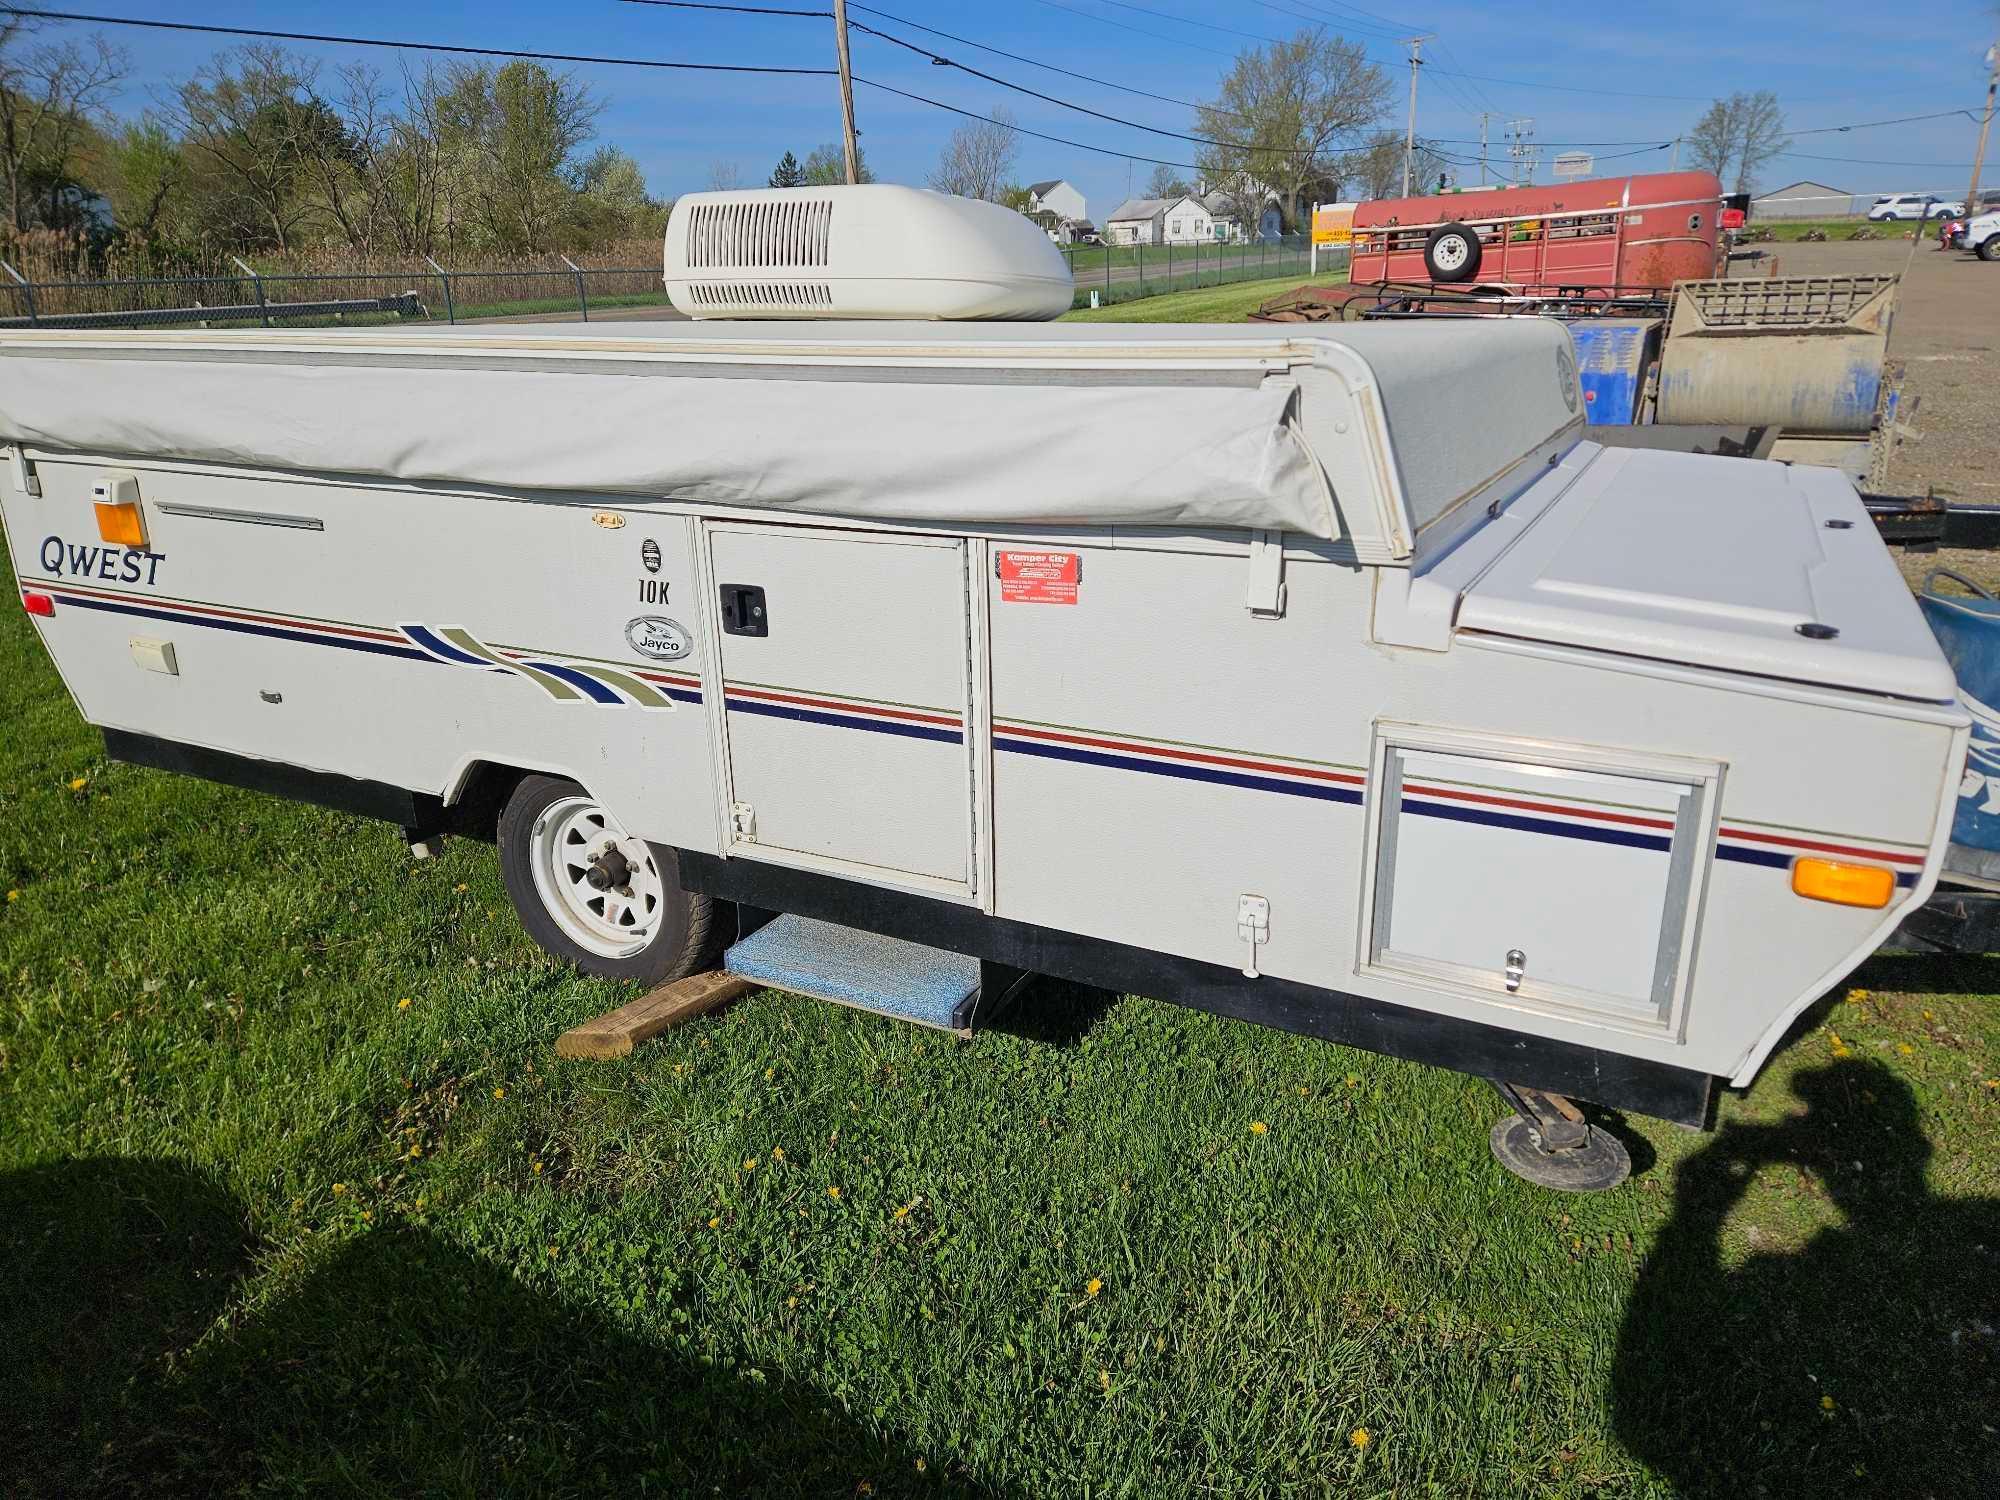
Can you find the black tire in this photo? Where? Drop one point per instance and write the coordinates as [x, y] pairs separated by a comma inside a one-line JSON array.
[[1989, 248], [686, 930], [1458, 259]]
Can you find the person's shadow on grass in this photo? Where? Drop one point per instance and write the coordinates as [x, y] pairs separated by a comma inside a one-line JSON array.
[[1866, 1362], [131, 1364]]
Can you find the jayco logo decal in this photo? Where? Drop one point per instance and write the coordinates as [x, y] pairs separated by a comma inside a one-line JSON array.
[[658, 637], [61, 559]]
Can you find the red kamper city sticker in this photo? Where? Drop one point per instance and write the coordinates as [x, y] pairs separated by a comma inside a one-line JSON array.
[[1039, 577]]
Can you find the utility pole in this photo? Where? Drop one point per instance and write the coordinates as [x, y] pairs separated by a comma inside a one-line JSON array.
[[1483, 118], [1675, 166], [850, 146], [1985, 124], [1415, 44], [1519, 133]]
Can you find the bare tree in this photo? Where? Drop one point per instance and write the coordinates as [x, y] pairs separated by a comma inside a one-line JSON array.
[[976, 161], [1376, 169], [1286, 110], [247, 118], [723, 177], [47, 94], [1737, 136], [1166, 183]]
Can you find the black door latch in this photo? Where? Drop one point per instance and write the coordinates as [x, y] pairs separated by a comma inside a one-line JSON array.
[[743, 610]]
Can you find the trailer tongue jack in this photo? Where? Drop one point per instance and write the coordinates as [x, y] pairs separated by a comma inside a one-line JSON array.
[[1549, 1142]]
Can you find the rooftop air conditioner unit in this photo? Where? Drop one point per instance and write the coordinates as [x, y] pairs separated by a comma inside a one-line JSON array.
[[872, 251]]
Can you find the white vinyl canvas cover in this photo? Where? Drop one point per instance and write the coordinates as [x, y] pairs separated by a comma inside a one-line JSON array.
[[1359, 434]]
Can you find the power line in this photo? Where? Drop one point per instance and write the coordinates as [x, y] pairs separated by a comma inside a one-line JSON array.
[[1098, 114], [260, 33], [1033, 62], [1158, 36], [1151, 161], [266, 34]]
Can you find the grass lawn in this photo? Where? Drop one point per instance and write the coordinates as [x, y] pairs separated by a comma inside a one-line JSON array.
[[1208, 304], [295, 1197]]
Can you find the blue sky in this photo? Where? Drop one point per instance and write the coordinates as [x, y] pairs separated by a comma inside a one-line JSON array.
[[1582, 73]]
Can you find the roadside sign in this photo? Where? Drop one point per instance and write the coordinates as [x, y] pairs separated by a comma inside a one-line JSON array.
[[1573, 164], [1333, 224]]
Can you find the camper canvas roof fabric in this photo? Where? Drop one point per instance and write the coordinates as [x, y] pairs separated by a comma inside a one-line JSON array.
[[1053, 425]]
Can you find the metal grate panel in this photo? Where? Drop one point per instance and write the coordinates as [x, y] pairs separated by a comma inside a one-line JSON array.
[[760, 233], [727, 296]]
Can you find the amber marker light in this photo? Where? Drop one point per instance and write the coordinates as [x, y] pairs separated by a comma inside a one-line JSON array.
[[121, 525], [1843, 884]]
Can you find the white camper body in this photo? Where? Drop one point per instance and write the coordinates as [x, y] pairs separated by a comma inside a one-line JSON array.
[[1327, 678]]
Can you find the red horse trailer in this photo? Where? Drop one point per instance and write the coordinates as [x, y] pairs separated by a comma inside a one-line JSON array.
[[1607, 233]]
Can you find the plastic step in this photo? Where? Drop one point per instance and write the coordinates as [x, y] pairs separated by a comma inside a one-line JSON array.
[[889, 976]]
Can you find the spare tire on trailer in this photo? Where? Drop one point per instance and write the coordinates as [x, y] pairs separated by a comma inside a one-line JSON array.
[[1451, 254]]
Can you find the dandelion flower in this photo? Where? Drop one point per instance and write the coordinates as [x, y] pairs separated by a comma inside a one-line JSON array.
[[1826, 1403], [716, 1222], [777, 1153], [404, 1003], [368, 1216], [1093, 1286], [499, 1093], [554, 1251], [749, 1163], [1258, 1127], [538, 1169], [416, 1151], [77, 784], [1353, 1080], [1905, 1048], [1361, 1437], [791, 1302], [461, 886], [339, 1188], [420, 1205], [921, 1466], [770, 1073], [1838, 1047], [904, 1211], [13, 895], [833, 1192], [1859, 997]]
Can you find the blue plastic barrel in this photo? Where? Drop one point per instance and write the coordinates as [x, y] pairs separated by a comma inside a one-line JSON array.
[[1969, 631]]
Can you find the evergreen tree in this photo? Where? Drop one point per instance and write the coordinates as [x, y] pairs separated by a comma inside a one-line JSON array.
[[788, 172]]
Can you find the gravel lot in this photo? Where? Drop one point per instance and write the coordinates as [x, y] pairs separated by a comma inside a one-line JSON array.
[[1947, 336]]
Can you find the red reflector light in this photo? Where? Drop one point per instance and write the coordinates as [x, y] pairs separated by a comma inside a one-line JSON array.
[[38, 604]]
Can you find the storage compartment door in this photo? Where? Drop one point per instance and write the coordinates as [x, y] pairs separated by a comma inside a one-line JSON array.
[[846, 666], [1563, 887]]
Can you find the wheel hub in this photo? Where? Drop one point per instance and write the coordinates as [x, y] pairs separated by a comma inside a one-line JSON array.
[[601, 885]]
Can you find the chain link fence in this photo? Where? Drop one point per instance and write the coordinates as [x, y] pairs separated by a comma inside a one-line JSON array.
[[1119, 273], [436, 293], [323, 299]]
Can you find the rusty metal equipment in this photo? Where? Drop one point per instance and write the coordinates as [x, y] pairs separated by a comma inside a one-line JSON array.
[[1803, 352]]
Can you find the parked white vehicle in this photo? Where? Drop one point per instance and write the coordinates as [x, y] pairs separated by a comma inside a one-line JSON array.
[[1982, 236], [1322, 676], [1913, 206]]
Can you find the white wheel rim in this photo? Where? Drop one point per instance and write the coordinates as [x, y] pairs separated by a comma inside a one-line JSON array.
[[574, 838], [1450, 252]]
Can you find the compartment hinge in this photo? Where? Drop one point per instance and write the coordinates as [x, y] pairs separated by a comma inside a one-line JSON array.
[[26, 480]]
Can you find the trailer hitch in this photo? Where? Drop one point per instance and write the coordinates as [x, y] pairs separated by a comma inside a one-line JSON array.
[[1550, 1142]]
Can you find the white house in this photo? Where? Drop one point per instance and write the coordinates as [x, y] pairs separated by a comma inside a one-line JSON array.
[[1136, 221], [1060, 210], [1057, 198], [1224, 210]]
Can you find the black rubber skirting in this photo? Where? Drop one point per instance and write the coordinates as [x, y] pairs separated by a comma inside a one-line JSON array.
[[1609, 1078], [372, 799]]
